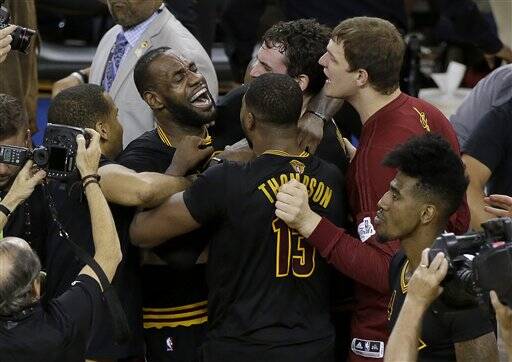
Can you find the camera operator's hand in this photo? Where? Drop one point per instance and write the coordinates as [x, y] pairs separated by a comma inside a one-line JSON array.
[[424, 285], [23, 185], [5, 41], [87, 160], [500, 205], [188, 156], [504, 317]]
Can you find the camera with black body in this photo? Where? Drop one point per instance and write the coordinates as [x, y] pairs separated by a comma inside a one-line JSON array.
[[478, 262], [20, 36], [57, 154]]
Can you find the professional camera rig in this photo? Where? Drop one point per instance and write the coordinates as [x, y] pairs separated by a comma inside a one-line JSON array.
[[57, 155], [20, 36], [478, 262]]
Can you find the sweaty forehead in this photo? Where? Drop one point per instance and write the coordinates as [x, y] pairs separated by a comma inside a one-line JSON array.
[[168, 62]]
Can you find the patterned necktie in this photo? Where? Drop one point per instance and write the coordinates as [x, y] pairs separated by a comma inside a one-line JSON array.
[[114, 58]]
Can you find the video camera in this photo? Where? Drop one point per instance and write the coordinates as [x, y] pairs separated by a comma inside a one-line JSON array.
[[57, 155], [20, 36], [478, 262]]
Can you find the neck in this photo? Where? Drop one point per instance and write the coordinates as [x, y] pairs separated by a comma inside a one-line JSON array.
[[414, 244], [368, 101], [305, 103], [284, 140], [176, 130]]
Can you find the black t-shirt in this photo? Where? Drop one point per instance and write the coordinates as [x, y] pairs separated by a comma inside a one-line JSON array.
[[228, 130], [31, 222], [269, 288], [63, 265], [442, 326], [491, 144], [57, 332], [182, 281]]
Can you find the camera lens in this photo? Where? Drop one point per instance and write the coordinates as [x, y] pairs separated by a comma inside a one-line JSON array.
[[21, 39]]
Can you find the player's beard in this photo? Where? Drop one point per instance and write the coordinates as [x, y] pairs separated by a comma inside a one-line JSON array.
[[186, 115]]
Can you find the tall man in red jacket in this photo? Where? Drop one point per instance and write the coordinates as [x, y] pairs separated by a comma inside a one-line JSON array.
[[362, 65]]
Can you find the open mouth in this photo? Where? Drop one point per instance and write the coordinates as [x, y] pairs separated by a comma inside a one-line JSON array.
[[202, 99]]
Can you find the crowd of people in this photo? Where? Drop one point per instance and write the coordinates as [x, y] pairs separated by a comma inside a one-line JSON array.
[[247, 227]]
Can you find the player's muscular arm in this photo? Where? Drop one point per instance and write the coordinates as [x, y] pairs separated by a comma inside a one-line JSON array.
[[311, 123], [482, 348], [153, 227], [479, 174], [126, 187]]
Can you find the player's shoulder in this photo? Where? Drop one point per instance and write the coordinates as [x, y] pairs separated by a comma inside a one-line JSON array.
[[148, 139]]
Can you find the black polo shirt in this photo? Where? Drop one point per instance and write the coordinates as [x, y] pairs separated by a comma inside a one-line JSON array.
[[57, 332]]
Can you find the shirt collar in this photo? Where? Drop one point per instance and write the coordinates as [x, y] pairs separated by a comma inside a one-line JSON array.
[[133, 34]]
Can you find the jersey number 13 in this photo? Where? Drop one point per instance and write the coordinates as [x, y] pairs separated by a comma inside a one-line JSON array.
[[292, 252]]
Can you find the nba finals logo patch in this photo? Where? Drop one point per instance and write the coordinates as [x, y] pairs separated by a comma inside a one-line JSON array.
[[298, 166]]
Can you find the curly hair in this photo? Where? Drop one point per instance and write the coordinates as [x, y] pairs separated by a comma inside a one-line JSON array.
[[440, 172], [303, 42]]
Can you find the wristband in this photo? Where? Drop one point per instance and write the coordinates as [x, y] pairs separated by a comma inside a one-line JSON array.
[[5, 210], [84, 75], [94, 176], [78, 76], [318, 114], [91, 181]]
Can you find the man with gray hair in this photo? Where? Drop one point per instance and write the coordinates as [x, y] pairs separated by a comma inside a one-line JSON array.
[[60, 331]]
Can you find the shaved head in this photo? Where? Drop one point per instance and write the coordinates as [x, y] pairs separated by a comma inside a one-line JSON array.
[[19, 267]]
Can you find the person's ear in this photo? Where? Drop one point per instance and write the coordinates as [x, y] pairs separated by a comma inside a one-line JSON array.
[[153, 100], [250, 122], [36, 289], [303, 81], [427, 213], [362, 78], [102, 128]]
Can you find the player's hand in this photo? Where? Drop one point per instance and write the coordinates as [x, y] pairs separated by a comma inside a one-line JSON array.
[[424, 286], [292, 206], [87, 159], [5, 41], [238, 152], [499, 205], [64, 83], [504, 317], [190, 152], [504, 53], [311, 132], [28, 177]]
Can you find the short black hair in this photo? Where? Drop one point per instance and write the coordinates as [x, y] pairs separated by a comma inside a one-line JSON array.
[[303, 42], [80, 106], [274, 98], [440, 172], [141, 75], [13, 116]]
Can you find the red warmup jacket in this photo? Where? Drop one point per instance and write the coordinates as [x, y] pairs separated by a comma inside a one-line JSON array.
[[365, 259]]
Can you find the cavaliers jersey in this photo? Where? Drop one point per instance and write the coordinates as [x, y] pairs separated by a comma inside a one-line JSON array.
[[268, 288], [442, 326], [175, 294]]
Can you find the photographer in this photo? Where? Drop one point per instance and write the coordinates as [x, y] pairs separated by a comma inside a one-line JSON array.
[[5, 41], [28, 215], [60, 331], [427, 189], [423, 289]]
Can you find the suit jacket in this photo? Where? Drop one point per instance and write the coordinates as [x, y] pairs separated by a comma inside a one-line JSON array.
[[134, 114]]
